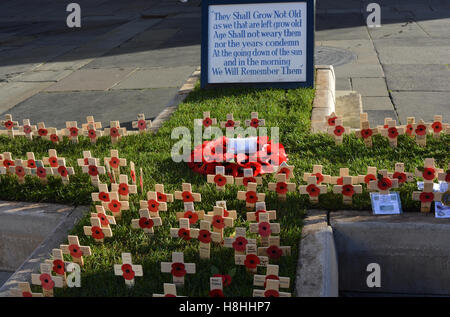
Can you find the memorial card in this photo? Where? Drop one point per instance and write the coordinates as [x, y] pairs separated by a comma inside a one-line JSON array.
[[386, 204]]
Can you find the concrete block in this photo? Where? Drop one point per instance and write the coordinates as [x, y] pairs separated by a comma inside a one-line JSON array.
[[349, 107]]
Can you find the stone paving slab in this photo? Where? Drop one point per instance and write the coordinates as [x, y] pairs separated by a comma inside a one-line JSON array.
[[359, 70], [397, 30], [415, 55], [42, 76], [358, 32], [370, 87], [13, 93], [4, 276], [376, 117], [377, 103], [418, 77]]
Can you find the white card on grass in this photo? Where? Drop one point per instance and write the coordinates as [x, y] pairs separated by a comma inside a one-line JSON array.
[[386, 204]]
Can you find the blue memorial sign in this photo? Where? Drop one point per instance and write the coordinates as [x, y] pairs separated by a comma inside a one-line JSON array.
[[260, 43]]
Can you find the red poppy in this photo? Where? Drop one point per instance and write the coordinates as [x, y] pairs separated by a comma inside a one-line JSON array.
[[251, 261], [42, 132], [409, 129], [338, 130], [128, 272], [204, 236], [220, 180], [226, 213], [421, 129], [31, 163], [54, 138], [207, 122], [192, 216], [27, 129], [184, 234], [384, 184], [58, 267], [281, 188], [386, 126], [41, 172], [8, 163], [62, 170], [114, 205], [447, 177], [347, 190], [187, 196], [264, 229], [340, 181], [9, 124], [103, 219], [247, 180], [133, 175], [123, 189], [284, 170], [146, 223], [103, 196], [75, 251], [271, 293], [93, 171], [216, 293], [114, 132], [254, 122], [366, 133], [92, 134], [73, 131], [251, 197], [46, 281], [161, 197], [428, 173], [53, 161], [231, 169], [97, 233], [437, 127], [319, 177], [152, 205], [257, 214], [400, 176], [312, 190], [392, 132], [27, 294], [169, 295], [274, 252], [239, 244], [368, 178], [218, 222], [20, 171], [332, 121], [229, 124], [178, 269], [270, 277], [226, 279], [426, 197], [114, 162], [142, 124]]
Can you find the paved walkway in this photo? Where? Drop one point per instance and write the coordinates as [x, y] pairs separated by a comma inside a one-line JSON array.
[[128, 57]]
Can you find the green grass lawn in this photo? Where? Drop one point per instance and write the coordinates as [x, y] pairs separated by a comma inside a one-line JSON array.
[[288, 110]]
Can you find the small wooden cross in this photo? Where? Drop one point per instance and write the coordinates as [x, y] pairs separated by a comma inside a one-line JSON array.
[[338, 180], [123, 188], [152, 204], [9, 124], [400, 174], [286, 169], [27, 129], [220, 179], [254, 121], [115, 162], [128, 270], [312, 189], [190, 213], [444, 176], [365, 132], [170, 290], [52, 159], [41, 171], [330, 120], [76, 250], [207, 121], [274, 250], [271, 290], [84, 161], [239, 241], [227, 213], [161, 196], [261, 208], [216, 287], [250, 259], [428, 172], [71, 131], [178, 268], [63, 171], [146, 222], [264, 228], [58, 265], [347, 189], [409, 128], [102, 195], [91, 123], [92, 131], [96, 231], [392, 132], [248, 178], [42, 131], [281, 187], [383, 183], [317, 172], [115, 205], [437, 126], [115, 131], [187, 195], [184, 231], [218, 220], [132, 173], [20, 170], [54, 135], [370, 176], [338, 131], [250, 196], [426, 197], [205, 237], [105, 219], [230, 123], [421, 131], [272, 273], [93, 169], [7, 162], [24, 290], [46, 280], [142, 124]]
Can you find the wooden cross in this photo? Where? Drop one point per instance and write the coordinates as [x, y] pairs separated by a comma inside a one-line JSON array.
[[115, 162], [105, 219], [347, 189], [93, 169], [27, 129], [184, 231], [102, 195], [317, 172], [248, 178], [30, 162], [400, 174], [250, 259], [20, 170], [146, 222], [338, 131], [178, 268], [152, 204], [7, 162], [207, 121], [115, 131], [264, 228], [421, 131], [261, 208], [58, 265], [330, 120], [84, 161], [170, 290], [392, 132], [428, 172], [123, 188], [444, 176], [71, 131], [272, 273], [92, 131], [63, 171], [215, 287], [239, 241], [218, 220], [227, 213], [41, 171], [338, 180], [274, 250], [254, 121], [205, 237], [220, 179], [161, 196], [383, 183], [42, 131], [426, 197], [115, 205], [132, 173], [128, 270], [365, 132], [91, 124], [76, 250], [46, 280], [409, 128], [370, 176], [250, 196], [96, 231], [190, 213], [230, 123], [9, 124], [24, 290], [286, 169], [312, 189], [437, 126], [52, 159], [187, 195], [54, 136], [142, 124], [271, 290], [281, 187]]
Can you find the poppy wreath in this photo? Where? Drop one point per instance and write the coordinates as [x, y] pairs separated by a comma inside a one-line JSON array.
[[261, 162]]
